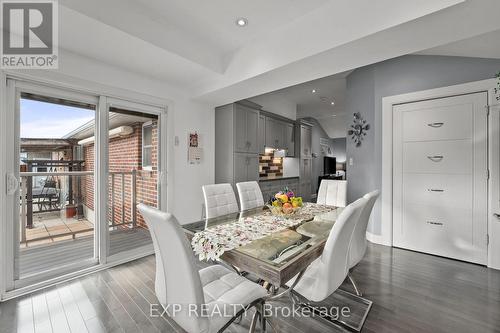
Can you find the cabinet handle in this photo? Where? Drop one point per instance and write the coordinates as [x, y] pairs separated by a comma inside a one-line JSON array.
[[435, 125], [434, 223], [436, 158], [434, 190]]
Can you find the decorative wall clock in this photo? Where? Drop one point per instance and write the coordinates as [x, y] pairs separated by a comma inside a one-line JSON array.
[[358, 129]]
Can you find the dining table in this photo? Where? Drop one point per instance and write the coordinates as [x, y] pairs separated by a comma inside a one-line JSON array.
[[273, 248]]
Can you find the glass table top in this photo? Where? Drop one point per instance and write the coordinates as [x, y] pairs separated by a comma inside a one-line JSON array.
[[276, 248]]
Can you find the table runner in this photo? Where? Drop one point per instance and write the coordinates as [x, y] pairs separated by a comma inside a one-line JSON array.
[[211, 243]]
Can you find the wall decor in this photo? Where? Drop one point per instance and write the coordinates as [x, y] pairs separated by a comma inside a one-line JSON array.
[[358, 129], [195, 152]]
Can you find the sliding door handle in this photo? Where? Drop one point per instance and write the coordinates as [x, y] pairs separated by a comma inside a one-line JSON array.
[[435, 190], [435, 125], [436, 158]]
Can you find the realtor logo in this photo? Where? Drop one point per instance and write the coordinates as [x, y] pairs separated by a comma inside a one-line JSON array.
[[29, 34]]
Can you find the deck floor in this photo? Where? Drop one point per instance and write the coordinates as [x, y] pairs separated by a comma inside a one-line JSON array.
[[45, 257], [411, 292], [48, 228]]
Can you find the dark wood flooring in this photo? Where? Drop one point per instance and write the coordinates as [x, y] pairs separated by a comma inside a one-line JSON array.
[[411, 292]]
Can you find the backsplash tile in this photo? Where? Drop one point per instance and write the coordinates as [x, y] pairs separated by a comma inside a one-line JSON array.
[[269, 166]]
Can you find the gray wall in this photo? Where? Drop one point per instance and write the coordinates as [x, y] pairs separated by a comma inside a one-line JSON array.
[[339, 149], [368, 85]]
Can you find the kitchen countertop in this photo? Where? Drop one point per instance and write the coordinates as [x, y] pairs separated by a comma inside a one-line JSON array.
[[265, 179]]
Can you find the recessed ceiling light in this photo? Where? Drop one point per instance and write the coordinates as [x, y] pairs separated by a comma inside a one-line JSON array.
[[332, 103], [241, 22], [313, 91]]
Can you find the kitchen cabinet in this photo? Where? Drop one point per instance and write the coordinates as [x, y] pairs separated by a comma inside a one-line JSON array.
[[246, 129], [280, 134], [305, 178], [262, 134], [274, 133], [237, 143], [271, 187], [305, 142], [289, 139], [246, 167]]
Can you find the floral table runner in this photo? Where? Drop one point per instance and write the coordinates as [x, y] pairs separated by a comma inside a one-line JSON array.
[[211, 243]]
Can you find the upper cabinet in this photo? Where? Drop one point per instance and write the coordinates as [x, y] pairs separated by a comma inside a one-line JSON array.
[[289, 139], [304, 142], [246, 129], [280, 134], [262, 134]]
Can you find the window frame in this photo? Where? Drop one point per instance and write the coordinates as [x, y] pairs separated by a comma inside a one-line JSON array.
[[148, 124]]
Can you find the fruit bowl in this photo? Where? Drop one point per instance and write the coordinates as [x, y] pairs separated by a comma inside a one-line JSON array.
[[280, 211], [284, 203]]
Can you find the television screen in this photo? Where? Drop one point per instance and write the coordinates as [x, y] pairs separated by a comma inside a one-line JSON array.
[[329, 165]]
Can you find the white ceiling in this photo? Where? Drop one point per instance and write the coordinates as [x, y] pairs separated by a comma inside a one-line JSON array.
[[482, 46], [196, 46], [305, 103]]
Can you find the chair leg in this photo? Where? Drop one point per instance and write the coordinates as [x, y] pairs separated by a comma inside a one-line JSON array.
[[356, 289], [255, 317]]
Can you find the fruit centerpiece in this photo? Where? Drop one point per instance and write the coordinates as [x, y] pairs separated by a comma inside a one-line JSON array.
[[285, 203]]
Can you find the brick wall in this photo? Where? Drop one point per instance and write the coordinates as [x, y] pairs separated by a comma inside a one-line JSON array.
[[125, 155]]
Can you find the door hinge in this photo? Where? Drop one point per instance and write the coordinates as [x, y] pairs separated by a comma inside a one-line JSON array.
[[487, 239], [487, 107], [488, 174]]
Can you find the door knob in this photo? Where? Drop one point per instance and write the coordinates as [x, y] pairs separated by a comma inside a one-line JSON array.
[[496, 215]]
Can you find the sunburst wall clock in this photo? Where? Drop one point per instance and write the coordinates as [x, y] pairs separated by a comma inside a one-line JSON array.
[[358, 129]]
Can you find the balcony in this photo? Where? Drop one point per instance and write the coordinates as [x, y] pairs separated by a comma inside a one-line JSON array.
[[57, 217]]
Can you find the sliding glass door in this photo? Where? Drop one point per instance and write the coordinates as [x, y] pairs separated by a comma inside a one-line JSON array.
[[78, 166], [133, 175], [53, 228]]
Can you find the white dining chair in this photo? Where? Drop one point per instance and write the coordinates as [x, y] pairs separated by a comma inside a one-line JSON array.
[[190, 293], [327, 273], [219, 200], [358, 242], [250, 195], [332, 193]]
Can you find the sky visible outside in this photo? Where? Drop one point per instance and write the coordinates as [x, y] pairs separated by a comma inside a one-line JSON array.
[[46, 120]]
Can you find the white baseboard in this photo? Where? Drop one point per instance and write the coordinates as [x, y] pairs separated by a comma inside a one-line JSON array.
[[377, 239]]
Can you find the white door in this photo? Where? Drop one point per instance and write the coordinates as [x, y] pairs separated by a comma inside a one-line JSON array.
[[494, 185], [440, 177]]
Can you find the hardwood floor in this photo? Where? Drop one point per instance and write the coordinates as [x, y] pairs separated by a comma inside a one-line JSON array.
[[411, 292]]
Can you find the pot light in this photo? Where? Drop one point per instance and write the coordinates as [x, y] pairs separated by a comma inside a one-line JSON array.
[[313, 91], [332, 103], [241, 22]]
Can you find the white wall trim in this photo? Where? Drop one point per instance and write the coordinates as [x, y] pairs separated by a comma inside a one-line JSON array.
[[387, 141]]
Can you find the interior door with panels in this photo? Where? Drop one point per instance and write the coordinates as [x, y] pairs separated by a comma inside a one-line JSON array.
[[440, 177]]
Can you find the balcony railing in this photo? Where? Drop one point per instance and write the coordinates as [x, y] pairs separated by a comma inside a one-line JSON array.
[[72, 194]]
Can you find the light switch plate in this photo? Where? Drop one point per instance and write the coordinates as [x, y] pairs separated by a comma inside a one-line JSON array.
[[351, 162]]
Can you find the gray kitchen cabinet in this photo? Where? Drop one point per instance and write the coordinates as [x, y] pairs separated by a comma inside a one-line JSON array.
[[262, 134], [237, 144], [246, 167], [305, 178], [246, 129], [305, 141], [289, 139], [273, 133]]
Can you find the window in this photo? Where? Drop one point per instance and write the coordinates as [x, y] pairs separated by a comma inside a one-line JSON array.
[[147, 145]]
